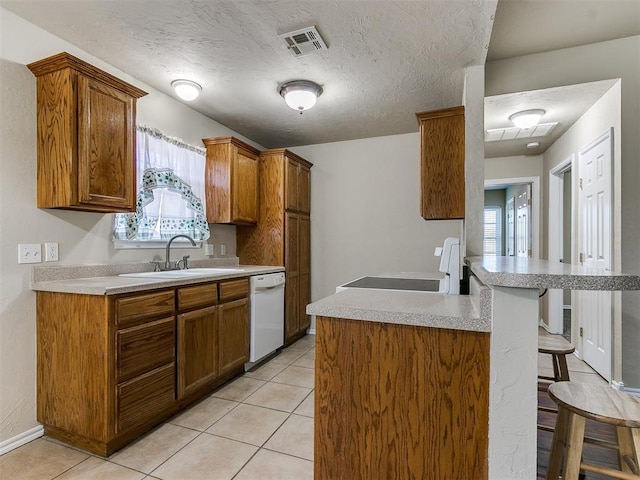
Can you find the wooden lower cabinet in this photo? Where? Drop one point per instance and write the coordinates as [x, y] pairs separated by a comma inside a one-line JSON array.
[[400, 401], [110, 368]]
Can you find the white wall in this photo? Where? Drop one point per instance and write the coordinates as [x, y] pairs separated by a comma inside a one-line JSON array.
[[365, 211], [513, 167], [599, 61], [83, 238]]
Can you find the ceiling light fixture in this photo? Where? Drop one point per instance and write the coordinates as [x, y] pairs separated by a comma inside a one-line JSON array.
[[186, 89], [527, 118], [533, 144], [300, 95]]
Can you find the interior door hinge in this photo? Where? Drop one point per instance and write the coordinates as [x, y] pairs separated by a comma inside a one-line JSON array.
[[529, 202], [581, 259], [580, 331], [580, 184]]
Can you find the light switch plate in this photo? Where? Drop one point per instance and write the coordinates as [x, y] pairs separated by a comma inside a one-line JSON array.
[[51, 252], [29, 253], [208, 249], [223, 250]]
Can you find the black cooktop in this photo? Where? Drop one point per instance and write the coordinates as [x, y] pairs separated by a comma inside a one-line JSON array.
[[418, 284]]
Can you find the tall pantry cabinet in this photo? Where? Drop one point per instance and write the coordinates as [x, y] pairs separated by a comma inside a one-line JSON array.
[[283, 233]]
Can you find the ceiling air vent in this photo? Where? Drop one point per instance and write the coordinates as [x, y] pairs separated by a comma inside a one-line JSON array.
[[304, 41], [510, 133]]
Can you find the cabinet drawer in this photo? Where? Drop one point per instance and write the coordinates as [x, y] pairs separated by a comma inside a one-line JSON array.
[[232, 289], [197, 296], [139, 307], [144, 347], [145, 397]]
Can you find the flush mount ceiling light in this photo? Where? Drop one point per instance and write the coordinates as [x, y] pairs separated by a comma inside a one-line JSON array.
[[300, 95], [527, 118], [186, 89]]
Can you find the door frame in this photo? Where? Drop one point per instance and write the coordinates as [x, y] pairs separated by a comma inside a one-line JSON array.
[[556, 199], [535, 204]]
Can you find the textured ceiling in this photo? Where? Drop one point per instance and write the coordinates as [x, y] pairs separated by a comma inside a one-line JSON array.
[[523, 27], [386, 59]]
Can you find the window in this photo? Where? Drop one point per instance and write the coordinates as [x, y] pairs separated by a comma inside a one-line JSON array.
[[170, 183], [492, 244]]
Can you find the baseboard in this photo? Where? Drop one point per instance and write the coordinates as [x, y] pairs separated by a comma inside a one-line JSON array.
[[620, 386], [311, 331], [19, 440]]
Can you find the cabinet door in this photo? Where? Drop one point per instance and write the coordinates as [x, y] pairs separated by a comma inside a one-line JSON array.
[[304, 276], [442, 164], [244, 187], [304, 189], [197, 349], [106, 143], [291, 307], [291, 184], [234, 335]]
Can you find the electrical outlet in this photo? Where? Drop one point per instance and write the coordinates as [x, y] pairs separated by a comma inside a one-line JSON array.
[[223, 250], [29, 253], [208, 249], [50, 252]]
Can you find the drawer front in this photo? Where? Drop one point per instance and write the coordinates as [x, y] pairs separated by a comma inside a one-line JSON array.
[[197, 296], [145, 347], [144, 397], [133, 309], [232, 289]]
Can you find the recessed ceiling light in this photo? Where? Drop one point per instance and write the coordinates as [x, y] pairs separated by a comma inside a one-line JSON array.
[[527, 118], [186, 89]]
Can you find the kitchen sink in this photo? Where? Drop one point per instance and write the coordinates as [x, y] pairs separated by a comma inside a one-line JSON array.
[[191, 272]]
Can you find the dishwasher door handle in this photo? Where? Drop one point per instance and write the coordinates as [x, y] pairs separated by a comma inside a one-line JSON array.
[[272, 287]]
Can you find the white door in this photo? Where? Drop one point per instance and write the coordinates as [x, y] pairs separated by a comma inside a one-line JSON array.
[[523, 225], [511, 227], [595, 207]]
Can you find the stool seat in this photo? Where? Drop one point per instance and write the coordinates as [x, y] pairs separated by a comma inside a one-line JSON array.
[[578, 402], [558, 348], [598, 402]]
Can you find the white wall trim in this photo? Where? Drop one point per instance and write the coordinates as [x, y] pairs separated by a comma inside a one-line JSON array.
[[620, 386], [535, 193], [21, 439], [555, 253], [311, 331]]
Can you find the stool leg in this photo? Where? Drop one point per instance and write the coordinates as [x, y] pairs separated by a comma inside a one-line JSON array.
[[556, 367], [575, 440], [558, 445], [629, 448], [562, 366]]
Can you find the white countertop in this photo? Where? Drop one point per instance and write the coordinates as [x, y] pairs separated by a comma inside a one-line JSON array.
[[520, 272], [105, 279], [459, 312]]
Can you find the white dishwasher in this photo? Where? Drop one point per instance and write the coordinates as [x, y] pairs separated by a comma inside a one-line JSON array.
[[267, 315]]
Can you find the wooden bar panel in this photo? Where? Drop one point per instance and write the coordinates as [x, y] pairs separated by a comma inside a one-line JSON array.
[[197, 296], [398, 401]]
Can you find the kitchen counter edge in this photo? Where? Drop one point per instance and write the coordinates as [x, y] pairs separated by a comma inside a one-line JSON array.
[[113, 284]]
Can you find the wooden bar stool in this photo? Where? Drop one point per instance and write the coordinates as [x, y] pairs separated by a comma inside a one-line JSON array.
[[558, 348], [578, 402]]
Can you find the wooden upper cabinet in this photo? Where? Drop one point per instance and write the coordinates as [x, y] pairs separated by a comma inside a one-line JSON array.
[[297, 192], [231, 179], [86, 137], [442, 163]]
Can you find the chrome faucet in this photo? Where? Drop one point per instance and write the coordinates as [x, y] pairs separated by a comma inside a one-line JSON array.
[[167, 259]]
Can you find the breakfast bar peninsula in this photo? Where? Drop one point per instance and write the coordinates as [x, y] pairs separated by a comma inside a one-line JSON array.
[[431, 386]]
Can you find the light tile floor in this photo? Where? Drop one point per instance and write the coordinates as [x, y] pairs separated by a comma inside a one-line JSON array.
[[257, 427]]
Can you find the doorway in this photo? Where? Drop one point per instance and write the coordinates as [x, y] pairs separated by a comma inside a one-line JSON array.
[[520, 215], [561, 239]]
